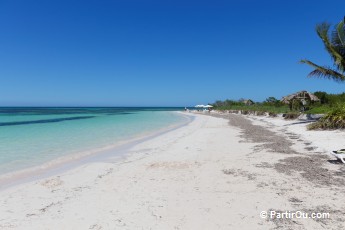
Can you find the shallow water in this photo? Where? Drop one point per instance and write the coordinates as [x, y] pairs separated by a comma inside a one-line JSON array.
[[32, 136]]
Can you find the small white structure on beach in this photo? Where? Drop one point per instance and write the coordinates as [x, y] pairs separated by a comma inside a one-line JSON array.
[[199, 106], [204, 107]]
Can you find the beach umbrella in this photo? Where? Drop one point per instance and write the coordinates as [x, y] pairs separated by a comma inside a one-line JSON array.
[[301, 95]]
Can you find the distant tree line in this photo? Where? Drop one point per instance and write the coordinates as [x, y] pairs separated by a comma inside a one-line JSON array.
[[271, 104], [330, 99], [270, 101]]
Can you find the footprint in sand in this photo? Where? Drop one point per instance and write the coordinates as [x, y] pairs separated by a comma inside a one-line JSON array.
[[52, 183]]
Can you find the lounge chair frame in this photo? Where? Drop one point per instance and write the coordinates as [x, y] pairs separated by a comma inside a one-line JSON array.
[[340, 156]]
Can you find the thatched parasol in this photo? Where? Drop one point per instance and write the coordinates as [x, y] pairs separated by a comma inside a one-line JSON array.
[[301, 96]]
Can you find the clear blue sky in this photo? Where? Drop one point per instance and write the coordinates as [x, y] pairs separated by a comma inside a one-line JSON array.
[[159, 53]]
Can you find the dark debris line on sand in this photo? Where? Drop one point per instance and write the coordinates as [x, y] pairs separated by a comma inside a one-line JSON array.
[[309, 167]]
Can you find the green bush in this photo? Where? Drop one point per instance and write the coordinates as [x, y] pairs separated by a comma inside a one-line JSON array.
[[291, 116], [272, 114], [335, 119], [319, 109], [260, 113]]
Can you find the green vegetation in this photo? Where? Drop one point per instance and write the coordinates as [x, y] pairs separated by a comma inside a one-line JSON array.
[[330, 99], [335, 119], [327, 103], [273, 106], [291, 116], [255, 107], [319, 109], [333, 105], [335, 46], [270, 105]]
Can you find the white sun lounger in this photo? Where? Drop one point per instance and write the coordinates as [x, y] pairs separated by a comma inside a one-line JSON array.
[[340, 156]]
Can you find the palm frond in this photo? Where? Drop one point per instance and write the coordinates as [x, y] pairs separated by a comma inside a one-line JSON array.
[[324, 72], [338, 40], [341, 32], [322, 31]]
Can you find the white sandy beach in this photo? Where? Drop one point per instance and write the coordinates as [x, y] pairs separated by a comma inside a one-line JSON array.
[[205, 175]]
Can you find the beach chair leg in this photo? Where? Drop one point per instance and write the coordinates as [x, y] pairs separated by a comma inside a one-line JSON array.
[[342, 159]]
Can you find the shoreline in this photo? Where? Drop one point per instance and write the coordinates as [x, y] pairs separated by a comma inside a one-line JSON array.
[[114, 152], [214, 173]]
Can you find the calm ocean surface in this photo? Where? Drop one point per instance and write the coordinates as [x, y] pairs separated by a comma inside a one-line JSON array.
[[32, 136]]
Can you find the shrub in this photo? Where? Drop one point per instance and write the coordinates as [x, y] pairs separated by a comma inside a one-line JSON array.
[[260, 113], [319, 110], [291, 116], [272, 114], [335, 119]]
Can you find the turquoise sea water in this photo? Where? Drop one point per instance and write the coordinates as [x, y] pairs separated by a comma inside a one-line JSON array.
[[32, 136]]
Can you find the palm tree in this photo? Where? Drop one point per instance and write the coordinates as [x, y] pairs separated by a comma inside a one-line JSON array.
[[335, 46]]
